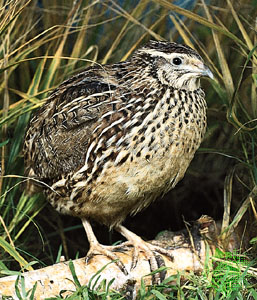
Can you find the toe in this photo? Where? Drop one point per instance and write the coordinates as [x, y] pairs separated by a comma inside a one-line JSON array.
[[161, 250], [99, 249], [135, 256]]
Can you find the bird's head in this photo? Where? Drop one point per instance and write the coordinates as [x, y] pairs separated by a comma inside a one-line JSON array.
[[173, 64]]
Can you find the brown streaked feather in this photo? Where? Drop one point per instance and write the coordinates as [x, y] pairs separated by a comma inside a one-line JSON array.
[[113, 138]]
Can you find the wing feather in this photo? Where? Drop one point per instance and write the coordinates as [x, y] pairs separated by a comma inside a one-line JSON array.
[[59, 133]]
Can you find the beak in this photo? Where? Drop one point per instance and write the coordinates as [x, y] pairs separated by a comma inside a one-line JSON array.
[[207, 72], [199, 69]]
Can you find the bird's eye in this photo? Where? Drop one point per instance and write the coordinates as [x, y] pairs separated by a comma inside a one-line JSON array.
[[177, 61]]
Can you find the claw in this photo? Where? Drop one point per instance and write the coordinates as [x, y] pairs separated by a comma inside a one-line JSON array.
[[97, 249], [148, 250]]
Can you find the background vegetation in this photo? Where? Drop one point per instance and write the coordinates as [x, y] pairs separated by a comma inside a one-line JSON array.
[[44, 42]]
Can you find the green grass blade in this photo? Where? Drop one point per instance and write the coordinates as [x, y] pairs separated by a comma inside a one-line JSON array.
[[74, 275], [198, 19], [15, 254]]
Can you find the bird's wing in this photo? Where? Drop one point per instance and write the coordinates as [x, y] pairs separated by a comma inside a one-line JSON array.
[[58, 135]]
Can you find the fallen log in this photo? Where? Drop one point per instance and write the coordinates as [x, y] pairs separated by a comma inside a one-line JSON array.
[[189, 249]]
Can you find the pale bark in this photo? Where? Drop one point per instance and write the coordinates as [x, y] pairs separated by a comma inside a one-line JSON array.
[[188, 257]]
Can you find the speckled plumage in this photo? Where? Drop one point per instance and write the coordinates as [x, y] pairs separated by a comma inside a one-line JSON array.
[[113, 138], [110, 140]]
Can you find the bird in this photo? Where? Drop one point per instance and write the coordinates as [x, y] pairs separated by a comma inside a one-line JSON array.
[[110, 140]]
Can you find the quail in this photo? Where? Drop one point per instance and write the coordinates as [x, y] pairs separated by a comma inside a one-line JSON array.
[[111, 139]]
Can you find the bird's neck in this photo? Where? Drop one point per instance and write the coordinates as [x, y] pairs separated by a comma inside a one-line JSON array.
[[189, 85]]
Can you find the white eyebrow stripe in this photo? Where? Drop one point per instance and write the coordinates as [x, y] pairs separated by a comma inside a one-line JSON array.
[[162, 54]]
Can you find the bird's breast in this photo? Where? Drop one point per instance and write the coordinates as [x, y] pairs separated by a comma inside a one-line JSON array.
[[147, 160], [160, 148]]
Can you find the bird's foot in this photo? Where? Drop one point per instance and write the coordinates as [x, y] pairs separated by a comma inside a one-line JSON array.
[[98, 249], [149, 251]]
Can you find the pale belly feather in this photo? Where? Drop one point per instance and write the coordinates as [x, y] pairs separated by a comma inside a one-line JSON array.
[[154, 164], [133, 185]]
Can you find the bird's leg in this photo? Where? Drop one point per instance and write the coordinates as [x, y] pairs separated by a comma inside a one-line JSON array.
[[147, 248], [96, 248]]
